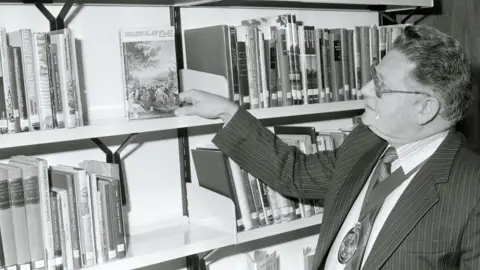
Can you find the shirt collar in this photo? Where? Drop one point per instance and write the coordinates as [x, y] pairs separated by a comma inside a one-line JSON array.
[[412, 154]]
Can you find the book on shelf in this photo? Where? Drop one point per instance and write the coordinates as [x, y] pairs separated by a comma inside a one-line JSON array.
[[59, 216], [257, 204], [149, 71], [308, 256], [261, 260], [39, 83], [280, 61]]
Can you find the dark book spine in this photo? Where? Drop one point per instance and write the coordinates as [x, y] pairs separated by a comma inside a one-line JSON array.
[[21, 98], [312, 67], [242, 67], [234, 57], [336, 66], [326, 66]]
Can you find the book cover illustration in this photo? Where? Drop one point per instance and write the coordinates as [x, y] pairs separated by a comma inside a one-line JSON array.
[[150, 73]]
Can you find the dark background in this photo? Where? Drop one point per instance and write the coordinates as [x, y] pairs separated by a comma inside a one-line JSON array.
[[461, 20]]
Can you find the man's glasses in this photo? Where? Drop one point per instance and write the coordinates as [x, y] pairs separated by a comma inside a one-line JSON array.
[[380, 87]]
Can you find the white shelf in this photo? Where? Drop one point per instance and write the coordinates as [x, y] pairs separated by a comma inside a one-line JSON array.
[[123, 127], [211, 225], [276, 229], [391, 5], [168, 244]]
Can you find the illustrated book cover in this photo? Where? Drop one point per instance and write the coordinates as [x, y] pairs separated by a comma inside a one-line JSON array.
[[149, 71]]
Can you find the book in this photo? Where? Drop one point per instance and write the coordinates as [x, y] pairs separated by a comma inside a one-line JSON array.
[[149, 72]]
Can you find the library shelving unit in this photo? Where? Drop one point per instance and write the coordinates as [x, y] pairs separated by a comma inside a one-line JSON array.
[[209, 221]]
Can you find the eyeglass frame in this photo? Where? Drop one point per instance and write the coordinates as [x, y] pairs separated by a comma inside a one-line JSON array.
[[380, 91]]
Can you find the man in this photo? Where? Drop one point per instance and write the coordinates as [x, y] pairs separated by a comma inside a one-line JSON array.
[[403, 190]]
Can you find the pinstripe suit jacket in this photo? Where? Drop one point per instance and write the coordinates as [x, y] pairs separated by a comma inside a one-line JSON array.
[[435, 223]]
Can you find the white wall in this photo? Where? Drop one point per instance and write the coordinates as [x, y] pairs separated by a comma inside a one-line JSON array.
[[152, 167]]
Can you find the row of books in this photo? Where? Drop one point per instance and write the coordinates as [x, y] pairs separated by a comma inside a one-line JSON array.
[[257, 204], [280, 61], [58, 216], [39, 86]]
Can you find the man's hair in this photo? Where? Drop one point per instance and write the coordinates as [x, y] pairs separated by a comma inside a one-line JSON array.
[[441, 65]]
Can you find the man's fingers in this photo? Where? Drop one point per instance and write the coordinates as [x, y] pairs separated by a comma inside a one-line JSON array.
[[185, 110], [187, 96]]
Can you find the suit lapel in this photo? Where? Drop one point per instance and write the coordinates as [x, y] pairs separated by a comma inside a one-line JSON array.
[[347, 195], [417, 199]]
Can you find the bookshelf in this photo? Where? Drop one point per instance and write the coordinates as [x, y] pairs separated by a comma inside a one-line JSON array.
[[202, 229]]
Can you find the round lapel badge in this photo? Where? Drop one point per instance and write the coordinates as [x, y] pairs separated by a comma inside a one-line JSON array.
[[349, 244]]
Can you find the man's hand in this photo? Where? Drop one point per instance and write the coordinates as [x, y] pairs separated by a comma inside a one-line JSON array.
[[206, 105]]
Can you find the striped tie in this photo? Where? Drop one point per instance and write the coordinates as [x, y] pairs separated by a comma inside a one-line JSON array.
[[368, 220]]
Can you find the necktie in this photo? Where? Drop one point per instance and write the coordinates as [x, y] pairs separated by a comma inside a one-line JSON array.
[[376, 193]]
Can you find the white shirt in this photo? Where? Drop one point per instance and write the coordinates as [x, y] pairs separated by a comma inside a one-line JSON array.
[[409, 156]]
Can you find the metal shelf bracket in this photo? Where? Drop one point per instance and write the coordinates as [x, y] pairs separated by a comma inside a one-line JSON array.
[[115, 158]]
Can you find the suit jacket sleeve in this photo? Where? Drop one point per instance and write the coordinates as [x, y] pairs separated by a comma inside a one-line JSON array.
[[285, 168], [470, 258]]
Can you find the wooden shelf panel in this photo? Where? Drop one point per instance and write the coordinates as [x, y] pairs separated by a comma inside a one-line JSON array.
[[276, 229], [121, 126]]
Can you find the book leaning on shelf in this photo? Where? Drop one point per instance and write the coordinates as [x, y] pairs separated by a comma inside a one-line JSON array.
[[280, 61], [257, 204], [149, 72], [39, 83], [59, 217]]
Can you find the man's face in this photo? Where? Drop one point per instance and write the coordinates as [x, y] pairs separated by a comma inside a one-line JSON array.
[[393, 115]]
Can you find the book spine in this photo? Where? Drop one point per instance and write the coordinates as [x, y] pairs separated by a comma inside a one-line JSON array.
[[65, 229], [19, 82], [344, 63], [74, 223], [17, 201], [284, 93], [3, 87], [336, 64], [13, 97], [83, 197], [250, 200], [265, 203], [57, 242], [42, 80], [7, 121], [326, 66], [242, 67], [108, 219], [262, 72], [6, 225], [251, 49], [56, 90], [312, 67], [68, 81], [302, 60], [358, 61], [29, 76], [234, 64], [351, 65], [273, 68], [319, 62], [108, 251], [365, 55], [34, 218], [118, 228]]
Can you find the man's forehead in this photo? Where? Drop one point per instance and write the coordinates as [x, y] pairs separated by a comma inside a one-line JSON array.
[[394, 66]]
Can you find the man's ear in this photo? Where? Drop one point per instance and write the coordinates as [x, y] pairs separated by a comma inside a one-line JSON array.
[[427, 109]]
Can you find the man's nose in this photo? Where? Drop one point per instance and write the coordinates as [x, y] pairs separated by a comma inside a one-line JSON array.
[[368, 90]]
